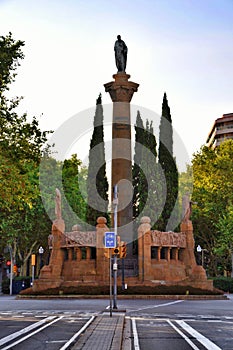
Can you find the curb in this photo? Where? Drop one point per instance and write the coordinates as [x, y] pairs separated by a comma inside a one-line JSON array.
[[125, 297]]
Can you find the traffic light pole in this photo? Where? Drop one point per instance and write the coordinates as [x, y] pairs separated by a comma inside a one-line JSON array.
[[110, 283], [115, 203], [123, 274], [11, 270]]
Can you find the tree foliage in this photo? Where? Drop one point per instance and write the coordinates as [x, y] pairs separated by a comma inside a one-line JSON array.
[[97, 183], [168, 164], [21, 145], [145, 199], [139, 178], [10, 55], [71, 178], [213, 191]]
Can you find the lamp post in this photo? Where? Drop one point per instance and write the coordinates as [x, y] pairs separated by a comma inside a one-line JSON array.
[[41, 252], [200, 255], [202, 251]]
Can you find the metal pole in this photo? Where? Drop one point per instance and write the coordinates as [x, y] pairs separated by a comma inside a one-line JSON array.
[[1, 279], [115, 282], [110, 283], [123, 274], [11, 270], [115, 257], [33, 273], [41, 252]]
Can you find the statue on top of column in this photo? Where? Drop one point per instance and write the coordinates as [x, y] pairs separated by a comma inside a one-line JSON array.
[[121, 50], [58, 204], [186, 207]]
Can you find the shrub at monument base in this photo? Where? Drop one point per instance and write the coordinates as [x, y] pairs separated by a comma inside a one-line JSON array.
[[223, 283], [18, 283], [135, 290]]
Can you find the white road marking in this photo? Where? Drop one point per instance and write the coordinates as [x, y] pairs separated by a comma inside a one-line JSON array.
[[55, 341], [203, 340], [183, 335], [135, 335], [152, 307], [31, 334], [24, 330], [107, 307], [66, 345]]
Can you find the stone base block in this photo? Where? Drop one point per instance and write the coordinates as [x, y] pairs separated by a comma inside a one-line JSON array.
[[43, 284]]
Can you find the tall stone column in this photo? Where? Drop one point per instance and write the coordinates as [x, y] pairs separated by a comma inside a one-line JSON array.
[[121, 91]]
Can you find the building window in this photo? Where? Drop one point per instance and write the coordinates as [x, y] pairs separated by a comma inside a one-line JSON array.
[[163, 253], [173, 253], [93, 253], [154, 253]]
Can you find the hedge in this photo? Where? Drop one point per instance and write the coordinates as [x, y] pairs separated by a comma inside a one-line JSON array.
[[223, 283], [134, 290]]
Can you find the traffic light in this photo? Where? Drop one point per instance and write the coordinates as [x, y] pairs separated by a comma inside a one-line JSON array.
[[108, 252], [33, 259], [15, 269], [116, 250], [123, 250]]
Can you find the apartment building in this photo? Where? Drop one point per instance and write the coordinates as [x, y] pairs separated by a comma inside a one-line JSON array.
[[221, 130]]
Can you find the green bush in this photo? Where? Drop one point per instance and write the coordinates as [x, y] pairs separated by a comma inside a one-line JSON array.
[[6, 286], [223, 283], [6, 283]]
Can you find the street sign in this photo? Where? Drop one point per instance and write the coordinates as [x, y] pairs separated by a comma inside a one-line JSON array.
[[110, 240]]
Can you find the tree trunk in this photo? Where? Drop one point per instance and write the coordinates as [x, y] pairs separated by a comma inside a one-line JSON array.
[[23, 267]]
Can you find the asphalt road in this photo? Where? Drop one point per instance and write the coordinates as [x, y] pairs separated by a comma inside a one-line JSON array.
[[155, 324]]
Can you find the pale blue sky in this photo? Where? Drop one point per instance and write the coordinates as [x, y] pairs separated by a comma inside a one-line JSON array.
[[183, 47]]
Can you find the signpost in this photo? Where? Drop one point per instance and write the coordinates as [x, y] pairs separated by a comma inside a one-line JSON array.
[[110, 242], [115, 205]]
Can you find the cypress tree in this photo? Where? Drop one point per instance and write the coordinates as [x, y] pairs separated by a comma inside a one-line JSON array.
[[149, 166], [144, 170], [168, 164], [97, 183], [137, 174]]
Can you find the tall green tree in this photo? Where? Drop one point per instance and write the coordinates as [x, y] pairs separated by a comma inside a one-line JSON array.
[[138, 176], [10, 55], [168, 165], [144, 170], [21, 145], [71, 178], [213, 192], [97, 183]]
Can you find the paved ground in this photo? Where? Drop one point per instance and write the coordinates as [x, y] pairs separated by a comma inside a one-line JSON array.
[[105, 333]]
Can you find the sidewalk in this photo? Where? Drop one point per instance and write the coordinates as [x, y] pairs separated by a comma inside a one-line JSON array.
[[105, 333]]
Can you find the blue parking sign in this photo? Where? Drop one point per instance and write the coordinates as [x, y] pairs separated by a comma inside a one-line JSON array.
[[110, 240]]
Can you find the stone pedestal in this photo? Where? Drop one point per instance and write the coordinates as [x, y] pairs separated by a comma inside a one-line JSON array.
[[189, 257], [143, 229], [121, 91], [102, 263], [51, 275]]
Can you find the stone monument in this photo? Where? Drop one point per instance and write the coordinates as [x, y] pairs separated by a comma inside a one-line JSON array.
[[121, 91], [78, 258]]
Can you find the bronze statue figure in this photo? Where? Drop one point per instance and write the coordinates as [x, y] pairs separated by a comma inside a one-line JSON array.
[[186, 207], [58, 204], [121, 50]]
